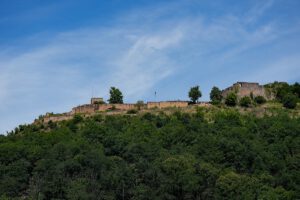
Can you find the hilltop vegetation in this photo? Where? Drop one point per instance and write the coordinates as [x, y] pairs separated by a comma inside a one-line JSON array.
[[212, 153]]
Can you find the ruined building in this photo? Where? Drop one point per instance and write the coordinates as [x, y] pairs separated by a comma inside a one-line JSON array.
[[97, 100], [247, 89], [98, 104]]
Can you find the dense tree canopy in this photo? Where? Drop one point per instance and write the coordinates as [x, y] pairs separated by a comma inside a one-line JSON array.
[[221, 155]]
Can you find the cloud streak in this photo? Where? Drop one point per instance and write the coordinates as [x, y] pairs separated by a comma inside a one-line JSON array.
[[67, 68]]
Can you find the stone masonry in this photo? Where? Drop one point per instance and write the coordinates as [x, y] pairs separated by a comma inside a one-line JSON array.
[[245, 89]]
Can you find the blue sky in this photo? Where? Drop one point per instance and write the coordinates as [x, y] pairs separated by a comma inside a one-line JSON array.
[[57, 54]]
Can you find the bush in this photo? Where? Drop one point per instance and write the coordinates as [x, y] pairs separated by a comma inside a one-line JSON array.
[[77, 119], [231, 99], [260, 100], [132, 111], [245, 101], [290, 101]]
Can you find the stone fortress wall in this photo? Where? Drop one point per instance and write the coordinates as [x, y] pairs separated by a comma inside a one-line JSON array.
[[245, 89], [166, 104], [62, 117], [97, 104], [91, 108], [94, 108]]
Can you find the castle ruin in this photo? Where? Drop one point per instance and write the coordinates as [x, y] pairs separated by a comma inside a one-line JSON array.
[[98, 105], [247, 89], [95, 107]]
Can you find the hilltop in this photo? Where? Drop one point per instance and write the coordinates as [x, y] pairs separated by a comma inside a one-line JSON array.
[[251, 96], [203, 153], [204, 150]]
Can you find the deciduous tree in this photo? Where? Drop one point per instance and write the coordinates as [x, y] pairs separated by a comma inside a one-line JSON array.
[[195, 94]]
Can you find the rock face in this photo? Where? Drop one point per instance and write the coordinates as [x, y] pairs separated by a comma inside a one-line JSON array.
[[247, 89]]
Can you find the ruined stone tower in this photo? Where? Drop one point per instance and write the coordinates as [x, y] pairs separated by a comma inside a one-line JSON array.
[[247, 89]]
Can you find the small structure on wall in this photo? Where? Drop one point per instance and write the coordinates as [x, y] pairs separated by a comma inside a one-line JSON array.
[[97, 100]]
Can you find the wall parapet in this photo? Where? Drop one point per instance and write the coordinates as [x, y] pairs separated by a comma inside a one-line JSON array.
[[93, 108], [166, 104]]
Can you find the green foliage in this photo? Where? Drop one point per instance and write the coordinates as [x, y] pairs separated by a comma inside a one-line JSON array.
[[215, 95], [154, 156], [115, 96], [290, 101], [139, 104], [282, 91], [194, 94], [77, 119], [296, 89], [245, 101], [260, 100], [132, 111], [231, 99], [234, 186]]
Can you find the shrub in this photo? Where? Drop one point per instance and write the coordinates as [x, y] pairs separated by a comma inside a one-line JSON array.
[[77, 119], [245, 101], [260, 100], [231, 99], [290, 101], [132, 111]]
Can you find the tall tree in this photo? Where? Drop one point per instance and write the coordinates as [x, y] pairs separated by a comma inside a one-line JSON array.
[[195, 94], [115, 96], [215, 95]]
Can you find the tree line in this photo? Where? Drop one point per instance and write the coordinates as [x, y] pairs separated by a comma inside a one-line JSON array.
[[217, 155]]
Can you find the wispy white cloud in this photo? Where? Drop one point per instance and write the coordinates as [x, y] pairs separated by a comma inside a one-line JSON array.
[[258, 10], [133, 54], [285, 68]]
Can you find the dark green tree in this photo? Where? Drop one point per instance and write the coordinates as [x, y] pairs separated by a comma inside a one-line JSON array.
[[260, 100], [282, 90], [215, 95], [195, 94], [231, 99], [234, 186], [245, 101], [296, 89], [290, 101], [115, 96]]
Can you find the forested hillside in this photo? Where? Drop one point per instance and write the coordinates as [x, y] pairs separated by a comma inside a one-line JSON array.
[[154, 156]]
